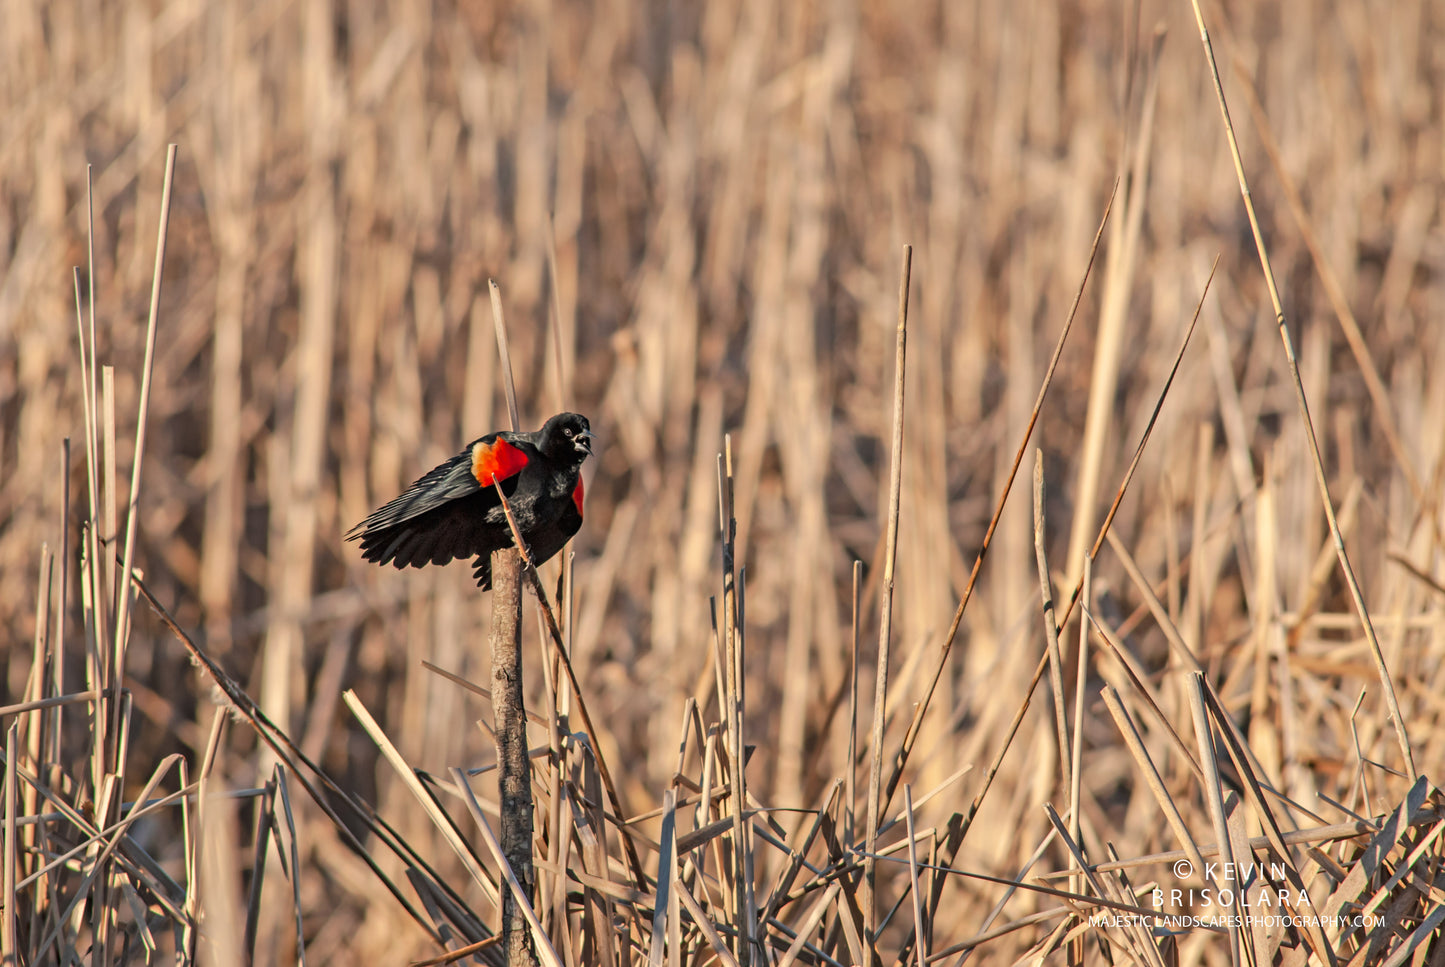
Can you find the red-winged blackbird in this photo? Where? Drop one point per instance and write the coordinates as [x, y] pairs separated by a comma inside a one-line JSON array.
[[453, 511]]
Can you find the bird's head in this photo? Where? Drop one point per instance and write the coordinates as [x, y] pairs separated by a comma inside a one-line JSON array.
[[567, 437]]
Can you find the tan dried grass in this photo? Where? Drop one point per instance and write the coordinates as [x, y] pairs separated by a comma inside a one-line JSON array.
[[695, 215]]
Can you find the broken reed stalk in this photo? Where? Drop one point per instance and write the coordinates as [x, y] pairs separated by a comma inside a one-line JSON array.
[[514, 775], [1081, 666], [1051, 630], [920, 709], [1068, 772], [513, 768], [885, 597], [9, 925], [1346, 568], [1213, 797], [733, 710], [850, 797]]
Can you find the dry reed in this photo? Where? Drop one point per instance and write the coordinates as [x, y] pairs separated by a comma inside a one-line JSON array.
[[696, 215]]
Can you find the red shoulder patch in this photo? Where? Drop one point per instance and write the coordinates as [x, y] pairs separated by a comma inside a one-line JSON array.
[[495, 461], [577, 495]]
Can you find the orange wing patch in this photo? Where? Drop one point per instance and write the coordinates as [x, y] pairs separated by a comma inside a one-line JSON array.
[[496, 461], [577, 495]]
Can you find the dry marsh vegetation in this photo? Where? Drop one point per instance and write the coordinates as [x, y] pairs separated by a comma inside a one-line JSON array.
[[263, 749]]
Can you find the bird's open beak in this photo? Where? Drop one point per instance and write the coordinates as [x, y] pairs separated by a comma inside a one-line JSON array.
[[584, 441]]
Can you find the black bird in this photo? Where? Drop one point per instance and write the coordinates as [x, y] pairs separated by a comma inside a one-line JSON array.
[[453, 511]]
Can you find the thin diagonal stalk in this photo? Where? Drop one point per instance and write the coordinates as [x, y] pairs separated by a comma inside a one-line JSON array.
[[132, 524], [1346, 568], [958, 832]]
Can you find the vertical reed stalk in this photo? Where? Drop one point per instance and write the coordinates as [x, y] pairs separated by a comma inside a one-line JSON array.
[[885, 621]]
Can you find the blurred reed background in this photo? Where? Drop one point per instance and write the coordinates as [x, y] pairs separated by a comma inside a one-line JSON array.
[[708, 202]]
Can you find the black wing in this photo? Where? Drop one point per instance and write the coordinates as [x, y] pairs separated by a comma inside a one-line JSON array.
[[440, 518]]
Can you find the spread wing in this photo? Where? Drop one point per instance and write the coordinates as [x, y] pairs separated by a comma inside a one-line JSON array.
[[443, 516]]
